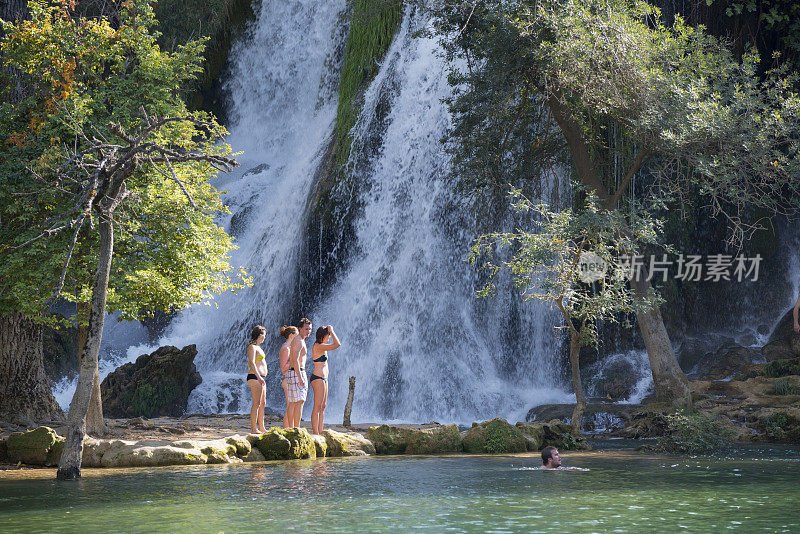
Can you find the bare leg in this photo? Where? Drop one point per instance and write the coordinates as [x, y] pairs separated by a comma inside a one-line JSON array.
[[317, 386], [288, 405], [298, 412], [324, 404], [256, 391], [262, 405]]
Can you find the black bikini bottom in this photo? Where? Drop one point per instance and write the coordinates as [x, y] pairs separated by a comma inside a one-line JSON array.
[[251, 376], [314, 377]]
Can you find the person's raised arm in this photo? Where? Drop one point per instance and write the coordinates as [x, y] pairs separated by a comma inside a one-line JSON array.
[[794, 314], [335, 343], [251, 357], [294, 359]]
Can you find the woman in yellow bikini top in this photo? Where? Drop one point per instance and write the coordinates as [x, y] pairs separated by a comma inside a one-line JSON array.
[[257, 373]]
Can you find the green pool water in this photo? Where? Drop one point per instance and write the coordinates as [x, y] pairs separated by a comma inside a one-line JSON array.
[[751, 490]]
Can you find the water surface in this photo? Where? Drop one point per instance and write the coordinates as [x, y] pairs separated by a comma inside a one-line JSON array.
[[623, 491]]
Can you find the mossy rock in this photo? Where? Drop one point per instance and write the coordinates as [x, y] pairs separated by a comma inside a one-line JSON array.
[[285, 444], [560, 435], [241, 444], [387, 439], [436, 440], [34, 447], [3, 450], [321, 445], [494, 437], [254, 456], [348, 444], [534, 435]]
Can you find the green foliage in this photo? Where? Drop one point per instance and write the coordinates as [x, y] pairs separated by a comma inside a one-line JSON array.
[[86, 78], [693, 434], [373, 24], [783, 386], [701, 119], [780, 368], [775, 425], [545, 257]]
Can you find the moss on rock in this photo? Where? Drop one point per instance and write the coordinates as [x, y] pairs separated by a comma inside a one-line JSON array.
[[348, 444], [494, 437], [387, 439], [321, 445], [34, 447], [534, 435], [560, 435], [241, 445], [285, 444]]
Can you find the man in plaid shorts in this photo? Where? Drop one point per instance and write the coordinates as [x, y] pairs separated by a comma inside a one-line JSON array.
[[297, 387]]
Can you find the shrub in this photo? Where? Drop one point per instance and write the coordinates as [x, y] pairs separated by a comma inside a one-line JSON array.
[[693, 433], [780, 368], [784, 387]]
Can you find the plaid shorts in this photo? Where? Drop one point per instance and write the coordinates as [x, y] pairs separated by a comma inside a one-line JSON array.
[[296, 393]]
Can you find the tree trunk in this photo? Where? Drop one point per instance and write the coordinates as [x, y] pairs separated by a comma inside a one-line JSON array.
[[670, 383], [13, 10], [95, 424], [25, 393], [574, 360], [70, 465], [349, 404]]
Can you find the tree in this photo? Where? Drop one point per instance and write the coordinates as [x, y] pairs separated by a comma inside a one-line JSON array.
[[112, 162], [550, 83], [548, 258]]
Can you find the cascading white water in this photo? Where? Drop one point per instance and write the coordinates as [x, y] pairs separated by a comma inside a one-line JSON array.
[[282, 112], [419, 344]]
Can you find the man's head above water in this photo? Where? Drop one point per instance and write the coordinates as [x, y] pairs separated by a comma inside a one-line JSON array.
[[550, 458]]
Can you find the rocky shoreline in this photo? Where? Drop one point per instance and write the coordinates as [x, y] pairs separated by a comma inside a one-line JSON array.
[[174, 442]]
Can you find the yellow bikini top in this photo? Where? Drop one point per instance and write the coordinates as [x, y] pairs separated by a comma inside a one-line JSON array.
[[259, 356]]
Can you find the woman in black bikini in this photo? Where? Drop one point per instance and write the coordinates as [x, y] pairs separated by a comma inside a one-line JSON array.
[[256, 373], [319, 379]]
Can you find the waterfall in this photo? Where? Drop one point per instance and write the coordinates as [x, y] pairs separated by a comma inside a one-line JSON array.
[[282, 94], [412, 332]]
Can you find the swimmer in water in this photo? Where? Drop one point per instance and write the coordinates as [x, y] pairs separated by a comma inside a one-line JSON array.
[[550, 458]]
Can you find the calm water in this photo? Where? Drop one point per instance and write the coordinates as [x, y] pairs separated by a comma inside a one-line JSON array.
[[751, 490]]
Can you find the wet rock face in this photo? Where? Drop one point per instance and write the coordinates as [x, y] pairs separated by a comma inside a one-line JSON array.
[[616, 381], [155, 385]]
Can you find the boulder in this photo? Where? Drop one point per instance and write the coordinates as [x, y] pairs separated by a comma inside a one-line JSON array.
[[321, 445], [3, 450], [241, 444], [534, 435], [387, 439], [397, 440], [254, 456], [40, 446], [155, 385], [284, 444], [561, 436], [647, 424], [494, 437], [347, 444]]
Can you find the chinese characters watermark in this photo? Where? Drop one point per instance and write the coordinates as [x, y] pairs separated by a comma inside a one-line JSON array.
[[688, 268]]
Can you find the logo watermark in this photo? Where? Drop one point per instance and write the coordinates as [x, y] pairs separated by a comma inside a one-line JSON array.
[[688, 268]]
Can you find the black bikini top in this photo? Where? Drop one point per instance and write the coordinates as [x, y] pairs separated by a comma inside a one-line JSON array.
[[323, 358]]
